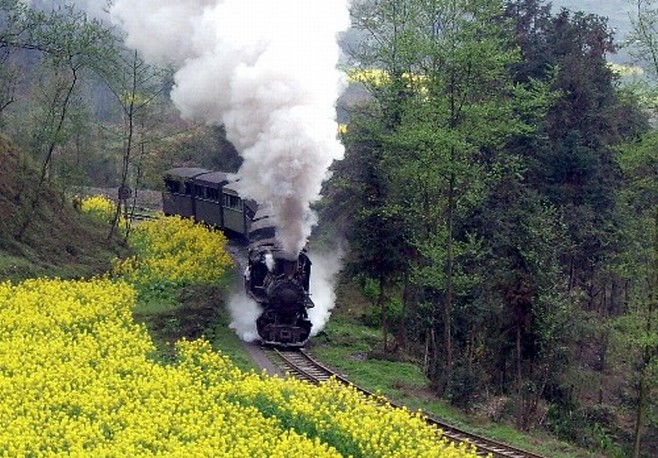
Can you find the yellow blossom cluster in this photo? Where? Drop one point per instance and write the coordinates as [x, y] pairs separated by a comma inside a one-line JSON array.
[[343, 417], [76, 380], [100, 207], [625, 70], [378, 77], [175, 250]]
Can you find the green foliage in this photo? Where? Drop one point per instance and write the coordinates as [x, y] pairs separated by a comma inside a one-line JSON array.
[[634, 334], [465, 386], [481, 185], [593, 428], [392, 309], [442, 118]]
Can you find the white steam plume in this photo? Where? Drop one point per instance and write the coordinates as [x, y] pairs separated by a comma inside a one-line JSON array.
[[323, 281], [267, 71], [244, 312]]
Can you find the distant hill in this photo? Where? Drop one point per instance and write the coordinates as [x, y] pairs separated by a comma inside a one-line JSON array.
[[59, 241]]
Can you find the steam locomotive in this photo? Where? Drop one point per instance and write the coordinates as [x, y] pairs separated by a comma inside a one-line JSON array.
[[278, 282]]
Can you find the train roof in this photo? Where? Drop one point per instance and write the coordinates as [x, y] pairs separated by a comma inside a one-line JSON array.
[[186, 172], [212, 179], [263, 212], [232, 188], [260, 223]]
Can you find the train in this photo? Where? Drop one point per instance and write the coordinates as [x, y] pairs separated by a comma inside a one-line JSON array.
[[278, 282]]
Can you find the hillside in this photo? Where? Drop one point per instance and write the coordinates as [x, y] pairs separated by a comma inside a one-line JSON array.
[[57, 240]]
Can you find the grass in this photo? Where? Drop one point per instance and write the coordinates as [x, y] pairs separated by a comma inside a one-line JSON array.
[[347, 346], [17, 268], [191, 312]]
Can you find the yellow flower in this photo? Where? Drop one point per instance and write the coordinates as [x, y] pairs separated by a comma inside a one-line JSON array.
[[77, 379], [99, 207], [177, 251]]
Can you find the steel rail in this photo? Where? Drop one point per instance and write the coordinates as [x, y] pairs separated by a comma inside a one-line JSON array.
[[141, 216], [299, 364]]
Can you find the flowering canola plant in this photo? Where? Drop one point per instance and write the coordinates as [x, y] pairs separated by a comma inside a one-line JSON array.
[[101, 208], [77, 380], [175, 250]]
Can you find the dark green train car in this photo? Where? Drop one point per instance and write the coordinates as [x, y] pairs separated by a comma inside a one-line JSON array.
[[209, 197]]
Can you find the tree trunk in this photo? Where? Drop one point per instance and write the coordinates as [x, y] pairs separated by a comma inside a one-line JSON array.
[[449, 280], [129, 112], [382, 307], [401, 338], [639, 413], [519, 380], [36, 196]]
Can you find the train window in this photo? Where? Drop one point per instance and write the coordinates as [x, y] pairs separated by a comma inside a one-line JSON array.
[[199, 191], [213, 194], [172, 186], [233, 202]]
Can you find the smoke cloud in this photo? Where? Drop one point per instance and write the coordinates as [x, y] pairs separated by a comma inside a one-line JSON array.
[[323, 281], [244, 312], [265, 70]]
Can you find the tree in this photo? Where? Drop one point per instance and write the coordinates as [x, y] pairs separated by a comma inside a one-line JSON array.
[[13, 28], [70, 44], [573, 165], [522, 294], [378, 235], [636, 331], [448, 105], [638, 327], [137, 87], [377, 228]]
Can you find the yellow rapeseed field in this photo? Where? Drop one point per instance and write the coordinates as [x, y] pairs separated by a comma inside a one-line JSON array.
[[101, 208], [77, 380], [175, 250]]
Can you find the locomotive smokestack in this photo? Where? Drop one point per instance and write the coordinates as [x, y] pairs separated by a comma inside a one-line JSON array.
[[266, 71]]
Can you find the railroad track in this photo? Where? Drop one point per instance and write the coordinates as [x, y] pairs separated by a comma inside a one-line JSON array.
[[301, 365], [141, 216]]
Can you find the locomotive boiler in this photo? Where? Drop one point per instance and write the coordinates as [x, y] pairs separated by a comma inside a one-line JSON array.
[[278, 281]]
